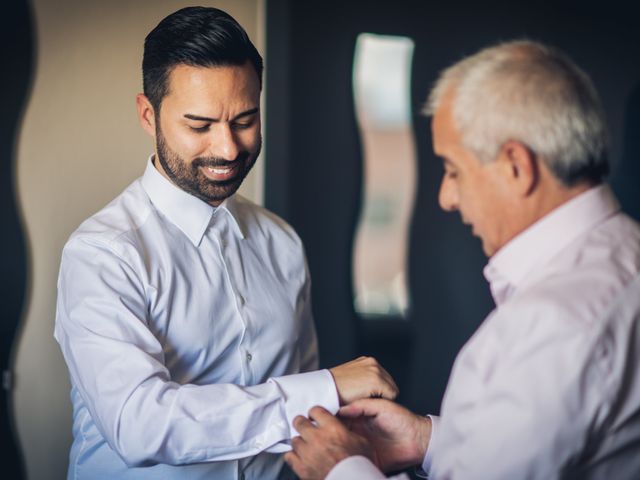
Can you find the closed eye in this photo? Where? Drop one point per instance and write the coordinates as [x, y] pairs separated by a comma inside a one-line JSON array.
[[202, 129], [241, 125], [450, 170]]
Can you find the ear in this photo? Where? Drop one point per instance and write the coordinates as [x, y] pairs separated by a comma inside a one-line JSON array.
[[520, 166], [146, 114]]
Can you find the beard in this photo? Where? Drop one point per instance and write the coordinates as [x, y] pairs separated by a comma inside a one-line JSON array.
[[189, 176]]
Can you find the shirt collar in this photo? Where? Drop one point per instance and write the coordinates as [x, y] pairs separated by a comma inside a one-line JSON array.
[[190, 214], [535, 246]]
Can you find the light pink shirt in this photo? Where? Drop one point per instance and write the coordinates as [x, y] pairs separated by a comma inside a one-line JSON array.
[[549, 385]]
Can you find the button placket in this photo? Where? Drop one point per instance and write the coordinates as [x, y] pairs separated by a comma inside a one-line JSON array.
[[226, 250], [240, 300]]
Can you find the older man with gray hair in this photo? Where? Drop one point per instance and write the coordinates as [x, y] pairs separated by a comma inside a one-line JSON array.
[[549, 385]]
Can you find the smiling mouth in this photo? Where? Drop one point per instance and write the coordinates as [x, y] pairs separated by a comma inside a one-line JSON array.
[[220, 173]]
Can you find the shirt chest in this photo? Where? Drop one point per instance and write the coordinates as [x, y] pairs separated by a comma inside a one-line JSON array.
[[222, 309]]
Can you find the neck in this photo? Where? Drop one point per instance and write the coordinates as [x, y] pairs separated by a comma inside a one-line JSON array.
[[546, 197], [555, 195]]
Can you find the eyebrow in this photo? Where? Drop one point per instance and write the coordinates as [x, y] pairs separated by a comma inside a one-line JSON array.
[[200, 118]]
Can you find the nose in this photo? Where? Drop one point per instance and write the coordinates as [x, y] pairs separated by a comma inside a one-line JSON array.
[[448, 195], [224, 143]]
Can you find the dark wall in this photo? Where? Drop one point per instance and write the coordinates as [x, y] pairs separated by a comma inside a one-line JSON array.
[[626, 176], [17, 62], [314, 158]]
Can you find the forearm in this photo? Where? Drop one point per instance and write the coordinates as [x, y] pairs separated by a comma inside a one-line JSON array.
[[165, 424], [160, 421]]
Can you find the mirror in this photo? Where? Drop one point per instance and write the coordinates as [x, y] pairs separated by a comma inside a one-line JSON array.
[[382, 96]]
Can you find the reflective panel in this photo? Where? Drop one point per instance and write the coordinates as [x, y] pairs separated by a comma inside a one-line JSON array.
[[382, 93]]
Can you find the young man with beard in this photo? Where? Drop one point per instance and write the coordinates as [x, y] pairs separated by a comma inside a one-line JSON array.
[[184, 310]]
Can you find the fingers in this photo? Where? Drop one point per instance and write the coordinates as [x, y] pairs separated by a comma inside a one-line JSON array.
[[296, 457], [322, 417], [360, 408], [297, 443], [361, 378], [386, 386], [390, 390], [323, 442], [355, 409], [296, 464], [365, 407], [291, 458], [303, 425]]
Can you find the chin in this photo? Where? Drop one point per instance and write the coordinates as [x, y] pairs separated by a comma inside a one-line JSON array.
[[488, 250]]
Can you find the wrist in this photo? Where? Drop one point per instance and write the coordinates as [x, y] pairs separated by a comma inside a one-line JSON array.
[[423, 437], [336, 382]]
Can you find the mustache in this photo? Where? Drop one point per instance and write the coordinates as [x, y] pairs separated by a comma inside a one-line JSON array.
[[218, 161]]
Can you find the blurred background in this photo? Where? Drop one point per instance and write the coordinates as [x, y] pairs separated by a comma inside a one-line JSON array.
[[347, 161]]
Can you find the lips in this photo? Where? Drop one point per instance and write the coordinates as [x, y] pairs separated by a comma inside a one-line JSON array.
[[470, 225], [221, 173]]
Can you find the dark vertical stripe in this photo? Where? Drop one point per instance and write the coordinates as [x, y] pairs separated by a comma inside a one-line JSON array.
[[277, 154], [16, 40], [626, 172]]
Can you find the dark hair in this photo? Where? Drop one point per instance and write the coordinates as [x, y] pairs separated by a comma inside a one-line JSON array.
[[195, 36]]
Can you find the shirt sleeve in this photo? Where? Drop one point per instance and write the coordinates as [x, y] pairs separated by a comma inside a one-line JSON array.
[[540, 394], [361, 468], [117, 366], [308, 337], [423, 471]]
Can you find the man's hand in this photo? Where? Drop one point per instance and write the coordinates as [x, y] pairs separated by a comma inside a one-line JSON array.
[[322, 444], [399, 437], [363, 377]]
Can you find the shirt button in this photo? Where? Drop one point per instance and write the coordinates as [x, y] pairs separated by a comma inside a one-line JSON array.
[[240, 300], [249, 357]]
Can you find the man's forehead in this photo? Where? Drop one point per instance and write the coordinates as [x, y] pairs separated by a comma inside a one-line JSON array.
[[220, 87], [445, 134], [438, 126], [210, 76]]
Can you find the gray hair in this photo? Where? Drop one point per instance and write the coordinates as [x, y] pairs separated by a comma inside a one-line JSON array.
[[531, 93]]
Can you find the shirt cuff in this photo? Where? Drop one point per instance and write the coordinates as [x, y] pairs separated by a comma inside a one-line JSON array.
[[303, 391], [428, 457], [355, 467]]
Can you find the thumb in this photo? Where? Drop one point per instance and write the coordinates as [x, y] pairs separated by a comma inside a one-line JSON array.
[[366, 407]]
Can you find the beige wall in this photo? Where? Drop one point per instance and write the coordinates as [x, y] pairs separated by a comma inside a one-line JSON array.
[[80, 145]]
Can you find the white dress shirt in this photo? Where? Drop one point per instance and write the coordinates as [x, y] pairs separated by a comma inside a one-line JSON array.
[[183, 327], [549, 385]]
